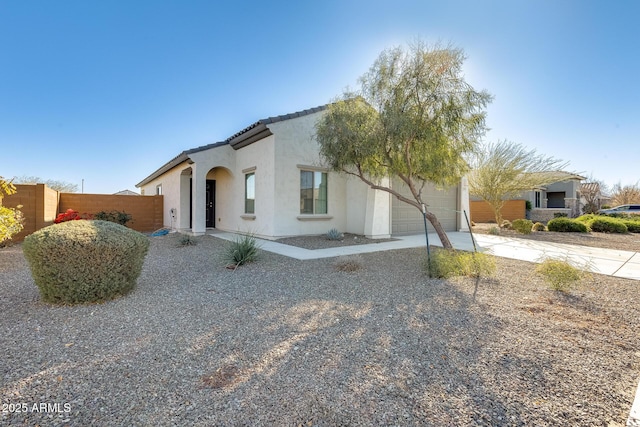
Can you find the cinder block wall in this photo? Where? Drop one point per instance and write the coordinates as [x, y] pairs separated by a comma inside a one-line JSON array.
[[40, 205], [145, 210], [481, 211]]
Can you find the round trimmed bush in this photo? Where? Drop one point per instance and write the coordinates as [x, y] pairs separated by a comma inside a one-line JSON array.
[[563, 224], [522, 226], [538, 226], [608, 225], [85, 261]]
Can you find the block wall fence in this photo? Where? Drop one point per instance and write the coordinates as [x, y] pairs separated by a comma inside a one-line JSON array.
[[481, 211], [41, 205]]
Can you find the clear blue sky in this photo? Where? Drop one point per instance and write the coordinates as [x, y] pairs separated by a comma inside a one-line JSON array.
[[108, 91]]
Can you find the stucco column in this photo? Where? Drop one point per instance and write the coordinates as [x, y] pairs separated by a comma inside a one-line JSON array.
[[463, 205], [184, 210], [377, 223], [199, 186]]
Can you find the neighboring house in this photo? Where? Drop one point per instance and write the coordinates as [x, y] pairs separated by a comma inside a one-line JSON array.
[[268, 179], [562, 196], [126, 193]]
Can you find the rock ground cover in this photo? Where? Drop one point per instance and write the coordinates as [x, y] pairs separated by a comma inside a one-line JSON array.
[[287, 342]]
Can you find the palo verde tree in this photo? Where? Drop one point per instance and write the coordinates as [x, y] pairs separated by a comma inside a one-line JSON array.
[[505, 170], [414, 118]]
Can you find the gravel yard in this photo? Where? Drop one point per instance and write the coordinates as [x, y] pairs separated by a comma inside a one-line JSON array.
[[287, 342]]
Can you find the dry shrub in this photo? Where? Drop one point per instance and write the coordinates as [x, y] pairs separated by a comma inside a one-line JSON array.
[[348, 263]]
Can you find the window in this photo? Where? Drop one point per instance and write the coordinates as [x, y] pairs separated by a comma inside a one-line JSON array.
[[159, 190], [537, 202], [313, 192], [250, 193]]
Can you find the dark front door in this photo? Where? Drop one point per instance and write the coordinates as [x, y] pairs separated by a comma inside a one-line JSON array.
[[210, 215]]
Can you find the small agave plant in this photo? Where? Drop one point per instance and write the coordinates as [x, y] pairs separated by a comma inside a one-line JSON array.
[[334, 234]]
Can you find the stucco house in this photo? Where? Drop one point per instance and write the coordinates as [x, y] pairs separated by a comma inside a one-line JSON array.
[[562, 196], [268, 179]]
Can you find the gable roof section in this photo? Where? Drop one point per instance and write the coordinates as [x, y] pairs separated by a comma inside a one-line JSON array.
[[246, 136], [259, 129]]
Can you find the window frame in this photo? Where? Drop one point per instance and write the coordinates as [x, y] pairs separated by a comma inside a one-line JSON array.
[[249, 210], [323, 190]]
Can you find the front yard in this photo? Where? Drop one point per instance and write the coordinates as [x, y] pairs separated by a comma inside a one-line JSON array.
[[286, 342]]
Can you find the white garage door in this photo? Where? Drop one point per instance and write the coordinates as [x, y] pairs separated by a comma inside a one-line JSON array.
[[407, 219]]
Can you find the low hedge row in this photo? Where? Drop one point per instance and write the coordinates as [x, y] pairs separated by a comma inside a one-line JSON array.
[[566, 225]]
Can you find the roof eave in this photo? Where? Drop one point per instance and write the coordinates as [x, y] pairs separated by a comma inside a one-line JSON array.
[[180, 158], [253, 133]]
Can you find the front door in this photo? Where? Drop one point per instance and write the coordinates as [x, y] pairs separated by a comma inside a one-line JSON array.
[[210, 206]]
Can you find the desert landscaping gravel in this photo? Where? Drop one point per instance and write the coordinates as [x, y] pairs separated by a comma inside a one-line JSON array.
[[287, 342]]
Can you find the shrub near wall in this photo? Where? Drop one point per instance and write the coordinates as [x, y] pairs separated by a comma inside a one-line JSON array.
[[85, 261], [563, 224]]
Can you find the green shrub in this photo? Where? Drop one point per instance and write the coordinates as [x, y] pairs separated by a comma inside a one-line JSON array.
[[538, 226], [85, 261], [522, 226], [608, 225], [559, 215], [527, 205], [242, 250], [587, 218], [494, 231], [447, 263], [118, 217], [560, 275], [11, 223], [334, 234], [632, 225], [566, 225]]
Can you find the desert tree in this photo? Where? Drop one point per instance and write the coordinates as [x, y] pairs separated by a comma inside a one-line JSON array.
[[625, 194], [592, 191], [504, 170], [414, 118], [61, 186], [6, 188], [11, 219]]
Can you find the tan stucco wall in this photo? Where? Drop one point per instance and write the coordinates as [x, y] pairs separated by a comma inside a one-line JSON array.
[[170, 182]]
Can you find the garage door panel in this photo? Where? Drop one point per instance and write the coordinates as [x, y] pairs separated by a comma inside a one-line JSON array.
[[407, 219]]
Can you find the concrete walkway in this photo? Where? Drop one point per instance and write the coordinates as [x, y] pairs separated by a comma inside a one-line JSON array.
[[610, 262]]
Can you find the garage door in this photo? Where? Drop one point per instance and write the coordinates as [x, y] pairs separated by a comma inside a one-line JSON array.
[[407, 219]]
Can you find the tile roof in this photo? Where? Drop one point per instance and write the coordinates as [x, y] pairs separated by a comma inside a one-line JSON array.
[[236, 140]]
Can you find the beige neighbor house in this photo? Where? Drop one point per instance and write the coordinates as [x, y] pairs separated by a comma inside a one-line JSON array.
[[269, 180]]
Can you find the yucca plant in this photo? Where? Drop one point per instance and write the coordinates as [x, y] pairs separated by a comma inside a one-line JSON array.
[[240, 251]]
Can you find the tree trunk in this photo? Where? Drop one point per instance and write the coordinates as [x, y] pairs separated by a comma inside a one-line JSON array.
[[442, 235]]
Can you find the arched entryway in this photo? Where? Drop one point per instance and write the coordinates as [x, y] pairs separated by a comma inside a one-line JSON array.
[[217, 197]]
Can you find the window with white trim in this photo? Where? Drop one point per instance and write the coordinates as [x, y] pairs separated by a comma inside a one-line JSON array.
[[250, 193], [313, 192]]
